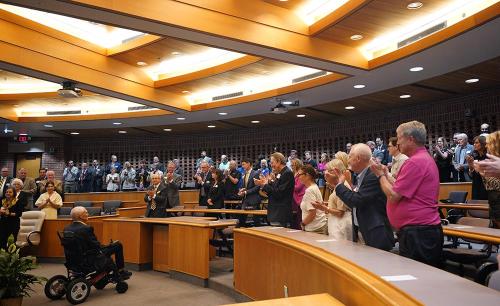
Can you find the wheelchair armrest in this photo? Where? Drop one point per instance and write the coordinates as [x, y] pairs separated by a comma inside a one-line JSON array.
[[28, 237]]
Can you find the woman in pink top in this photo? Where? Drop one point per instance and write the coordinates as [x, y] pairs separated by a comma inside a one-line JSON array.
[[321, 169], [298, 193]]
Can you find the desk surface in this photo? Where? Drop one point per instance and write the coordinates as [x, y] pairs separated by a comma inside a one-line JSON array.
[[464, 206], [187, 220], [219, 211], [431, 286], [323, 299], [485, 234]]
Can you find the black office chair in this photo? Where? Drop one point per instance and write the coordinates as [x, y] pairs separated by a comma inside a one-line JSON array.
[[468, 255], [110, 206], [197, 214], [64, 211], [478, 213], [223, 240], [455, 197], [83, 203], [94, 211]]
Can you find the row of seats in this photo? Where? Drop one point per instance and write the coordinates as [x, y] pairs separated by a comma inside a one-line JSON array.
[[108, 207]]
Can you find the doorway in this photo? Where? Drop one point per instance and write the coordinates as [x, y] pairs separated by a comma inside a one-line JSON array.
[[30, 161]]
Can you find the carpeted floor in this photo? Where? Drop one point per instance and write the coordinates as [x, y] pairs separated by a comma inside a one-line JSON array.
[[145, 288]]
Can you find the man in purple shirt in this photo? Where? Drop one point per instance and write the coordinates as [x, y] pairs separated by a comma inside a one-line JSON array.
[[412, 199]]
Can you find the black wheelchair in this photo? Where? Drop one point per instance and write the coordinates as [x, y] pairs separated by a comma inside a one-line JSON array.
[[85, 268]]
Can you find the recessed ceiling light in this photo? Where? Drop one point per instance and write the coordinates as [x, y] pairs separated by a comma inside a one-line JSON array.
[[416, 69], [175, 53], [167, 130], [287, 102], [122, 132], [16, 105], [414, 5], [359, 86], [211, 126], [255, 121], [142, 64], [181, 118], [186, 91], [301, 115], [222, 114], [349, 107], [48, 125], [117, 123], [469, 81], [405, 96], [357, 37], [75, 133]]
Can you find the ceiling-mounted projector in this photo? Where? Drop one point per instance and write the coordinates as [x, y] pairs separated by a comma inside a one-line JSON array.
[[69, 90], [279, 109]]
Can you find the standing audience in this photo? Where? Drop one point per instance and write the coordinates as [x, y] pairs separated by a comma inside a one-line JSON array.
[[50, 201], [70, 177], [127, 177], [489, 170], [398, 158], [113, 180], [29, 187], [249, 192], [51, 177], [459, 161], [5, 180], [479, 153], [22, 197], [156, 198], [10, 214], [313, 220], [298, 192], [203, 182], [443, 156]]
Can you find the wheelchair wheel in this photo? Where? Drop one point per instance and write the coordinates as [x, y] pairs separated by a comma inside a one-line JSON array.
[[100, 284], [55, 288], [121, 287], [77, 291], [484, 272]]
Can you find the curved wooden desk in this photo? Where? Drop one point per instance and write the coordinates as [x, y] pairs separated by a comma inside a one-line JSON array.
[[260, 212], [486, 234], [465, 206], [266, 259]]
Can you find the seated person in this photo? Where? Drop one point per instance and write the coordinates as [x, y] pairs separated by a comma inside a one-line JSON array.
[[79, 227]]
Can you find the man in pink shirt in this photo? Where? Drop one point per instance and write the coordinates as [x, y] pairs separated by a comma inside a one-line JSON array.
[[412, 199]]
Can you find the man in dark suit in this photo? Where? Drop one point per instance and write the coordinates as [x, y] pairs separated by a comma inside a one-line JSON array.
[[5, 180], [97, 173], [203, 182], [172, 182], [84, 177], [367, 201], [279, 188], [250, 192], [85, 232], [156, 198]]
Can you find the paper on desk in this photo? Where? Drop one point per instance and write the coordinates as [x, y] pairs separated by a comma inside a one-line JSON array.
[[293, 231], [276, 227], [398, 278], [462, 226], [326, 240]]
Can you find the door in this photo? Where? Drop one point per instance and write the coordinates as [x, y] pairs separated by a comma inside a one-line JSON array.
[[31, 162]]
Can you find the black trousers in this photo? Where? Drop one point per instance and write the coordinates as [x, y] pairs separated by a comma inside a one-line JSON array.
[[115, 248], [423, 243]]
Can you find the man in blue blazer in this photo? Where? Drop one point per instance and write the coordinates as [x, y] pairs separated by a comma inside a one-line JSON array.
[[249, 192]]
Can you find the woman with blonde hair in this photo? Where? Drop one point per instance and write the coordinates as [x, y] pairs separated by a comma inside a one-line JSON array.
[[343, 157], [339, 214], [492, 184]]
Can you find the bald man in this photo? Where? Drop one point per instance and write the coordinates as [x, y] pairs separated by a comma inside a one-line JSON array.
[[367, 200], [85, 233]]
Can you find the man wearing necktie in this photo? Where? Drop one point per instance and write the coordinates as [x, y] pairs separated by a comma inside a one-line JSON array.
[[203, 182], [460, 161], [4, 181], [84, 179], [156, 198], [249, 192]]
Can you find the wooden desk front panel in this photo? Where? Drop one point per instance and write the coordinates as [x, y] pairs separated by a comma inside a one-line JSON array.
[[323, 299], [136, 238], [188, 249], [190, 195], [132, 212], [263, 267], [160, 248], [445, 188]]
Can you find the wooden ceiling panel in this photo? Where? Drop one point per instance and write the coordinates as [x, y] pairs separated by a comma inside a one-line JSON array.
[[377, 18], [289, 5], [159, 51]]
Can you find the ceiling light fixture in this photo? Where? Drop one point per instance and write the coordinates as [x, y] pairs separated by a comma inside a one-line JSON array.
[[48, 125], [357, 37], [255, 121], [167, 130], [405, 96], [301, 116], [122, 132], [416, 69], [414, 5], [359, 86], [469, 81], [186, 92], [349, 107], [117, 123], [210, 126], [142, 64], [181, 118], [75, 133], [222, 114]]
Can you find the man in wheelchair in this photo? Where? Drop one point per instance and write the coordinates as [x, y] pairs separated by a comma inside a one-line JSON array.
[[83, 251]]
